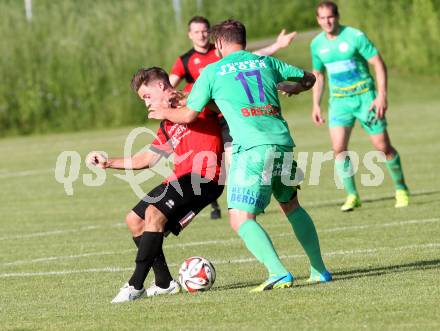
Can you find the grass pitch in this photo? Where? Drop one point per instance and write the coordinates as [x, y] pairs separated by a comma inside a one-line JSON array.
[[63, 258]]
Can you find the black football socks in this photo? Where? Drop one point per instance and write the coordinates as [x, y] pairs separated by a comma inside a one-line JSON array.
[[162, 275], [150, 247]]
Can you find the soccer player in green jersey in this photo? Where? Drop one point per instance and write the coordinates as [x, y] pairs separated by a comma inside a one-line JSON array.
[[344, 53], [244, 87], [189, 65]]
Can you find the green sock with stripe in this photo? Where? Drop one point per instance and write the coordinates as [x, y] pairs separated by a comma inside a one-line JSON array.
[[259, 244], [344, 169], [395, 170]]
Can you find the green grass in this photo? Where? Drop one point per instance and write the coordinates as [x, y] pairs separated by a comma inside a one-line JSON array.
[[385, 261]]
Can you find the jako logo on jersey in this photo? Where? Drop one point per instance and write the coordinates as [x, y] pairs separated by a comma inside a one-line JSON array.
[[197, 60], [343, 47], [170, 204], [323, 51]]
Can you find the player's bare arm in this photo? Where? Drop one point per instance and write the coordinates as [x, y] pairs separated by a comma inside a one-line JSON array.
[[136, 162], [298, 86], [175, 80], [318, 91], [307, 81], [181, 115], [283, 40], [380, 104], [178, 99]]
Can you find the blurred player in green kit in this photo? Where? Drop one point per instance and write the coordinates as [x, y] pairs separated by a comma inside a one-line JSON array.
[[344, 53], [244, 87]]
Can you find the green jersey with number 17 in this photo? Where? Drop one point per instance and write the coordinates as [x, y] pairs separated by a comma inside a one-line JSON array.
[[244, 87]]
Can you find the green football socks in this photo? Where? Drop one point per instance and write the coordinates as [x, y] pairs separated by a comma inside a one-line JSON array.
[[345, 173], [306, 234], [259, 244], [395, 169]]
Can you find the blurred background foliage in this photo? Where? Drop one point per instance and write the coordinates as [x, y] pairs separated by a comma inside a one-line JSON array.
[[69, 67]]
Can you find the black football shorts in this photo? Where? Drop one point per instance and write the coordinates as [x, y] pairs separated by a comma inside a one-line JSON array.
[[180, 199]]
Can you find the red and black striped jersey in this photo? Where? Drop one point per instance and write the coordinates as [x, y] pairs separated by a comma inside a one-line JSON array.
[[189, 65]]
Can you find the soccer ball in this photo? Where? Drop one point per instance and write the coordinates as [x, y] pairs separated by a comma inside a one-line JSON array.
[[196, 274]]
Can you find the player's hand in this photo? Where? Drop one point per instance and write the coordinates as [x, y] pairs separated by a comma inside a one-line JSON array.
[[287, 94], [97, 159], [157, 112], [289, 89], [284, 40], [178, 99], [316, 116], [380, 106]]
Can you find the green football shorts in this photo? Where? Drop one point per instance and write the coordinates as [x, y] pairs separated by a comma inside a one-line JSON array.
[[343, 111], [256, 173]]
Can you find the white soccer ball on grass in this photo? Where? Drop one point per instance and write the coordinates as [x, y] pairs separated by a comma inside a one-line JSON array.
[[196, 274]]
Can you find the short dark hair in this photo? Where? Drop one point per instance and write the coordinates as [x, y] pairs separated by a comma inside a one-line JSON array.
[[199, 19], [149, 75], [328, 4], [231, 31]]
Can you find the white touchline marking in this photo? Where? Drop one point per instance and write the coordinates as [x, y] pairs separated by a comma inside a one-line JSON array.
[[220, 262], [95, 227], [56, 232], [384, 225], [364, 198], [220, 241], [66, 257], [25, 173], [63, 272], [367, 226]]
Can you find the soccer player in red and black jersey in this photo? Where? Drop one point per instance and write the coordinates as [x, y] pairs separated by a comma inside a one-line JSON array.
[[189, 66], [197, 149]]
